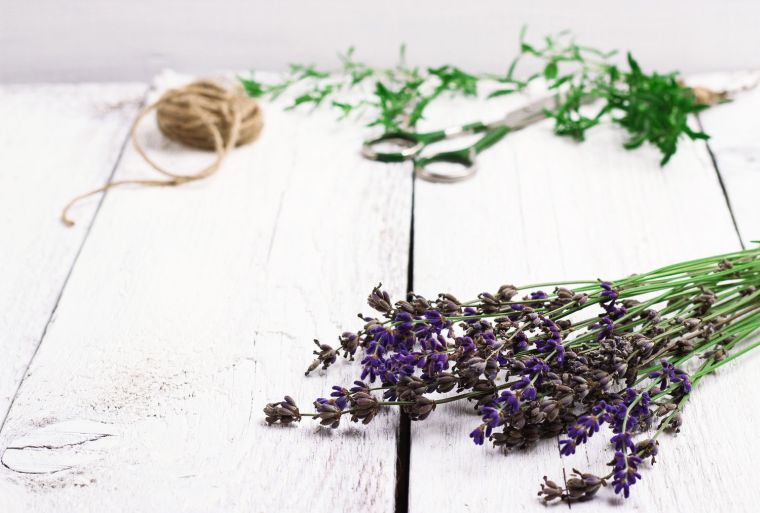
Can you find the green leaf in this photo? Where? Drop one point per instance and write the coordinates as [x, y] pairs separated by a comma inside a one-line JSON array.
[[561, 80], [252, 87], [550, 71], [501, 92], [526, 48], [633, 64]]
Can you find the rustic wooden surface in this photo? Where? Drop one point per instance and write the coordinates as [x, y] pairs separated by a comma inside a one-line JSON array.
[[55, 141], [168, 317]]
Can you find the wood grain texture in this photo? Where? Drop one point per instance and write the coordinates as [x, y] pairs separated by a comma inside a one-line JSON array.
[[189, 309], [734, 129], [545, 208], [55, 142]]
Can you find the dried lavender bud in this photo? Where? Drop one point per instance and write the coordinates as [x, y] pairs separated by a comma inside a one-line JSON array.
[[449, 297], [364, 407], [447, 307], [421, 305], [283, 412], [360, 386], [647, 448], [405, 306], [407, 389], [380, 300], [489, 303], [329, 411], [674, 426], [706, 300], [665, 409], [421, 408], [550, 491], [582, 486], [683, 346], [718, 354], [445, 382], [326, 356], [506, 292], [580, 299], [348, 343]]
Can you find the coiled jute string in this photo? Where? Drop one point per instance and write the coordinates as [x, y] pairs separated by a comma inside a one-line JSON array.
[[201, 115]]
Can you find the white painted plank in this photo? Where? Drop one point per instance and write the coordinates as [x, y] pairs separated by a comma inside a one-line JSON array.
[[55, 142], [734, 128], [191, 307], [546, 208]]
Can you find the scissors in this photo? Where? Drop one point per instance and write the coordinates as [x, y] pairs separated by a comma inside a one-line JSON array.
[[410, 145]]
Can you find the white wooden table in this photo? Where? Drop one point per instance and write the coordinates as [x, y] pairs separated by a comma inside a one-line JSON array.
[[139, 347]]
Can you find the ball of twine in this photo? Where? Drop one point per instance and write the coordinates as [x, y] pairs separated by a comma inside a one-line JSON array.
[[201, 115], [195, 114]]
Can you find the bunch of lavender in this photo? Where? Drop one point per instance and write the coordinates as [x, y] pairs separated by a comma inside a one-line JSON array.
[[552, 359]]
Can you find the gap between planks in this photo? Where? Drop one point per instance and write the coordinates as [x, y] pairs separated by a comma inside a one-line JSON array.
[[403, 457], [86, 236], [83, 130], [722, 183]]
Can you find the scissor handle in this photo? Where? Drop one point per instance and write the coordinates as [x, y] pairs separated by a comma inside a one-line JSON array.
[[408, 146], [464, 159]]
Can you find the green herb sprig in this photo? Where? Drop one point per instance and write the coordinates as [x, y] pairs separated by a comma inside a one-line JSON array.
[[651, 107], [400, 96]]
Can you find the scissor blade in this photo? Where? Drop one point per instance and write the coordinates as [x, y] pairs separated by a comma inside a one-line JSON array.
[[530, 113]]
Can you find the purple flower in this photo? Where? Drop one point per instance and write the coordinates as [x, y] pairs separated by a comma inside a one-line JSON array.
[[435, 319], [622, 441], [491, 416], [626, 474], [404, 320], [536, 367], [338, 391], [600, 407], [577, 433], [528, 393], [605, 327], [467, 344], [567, 447], [521, 383], [510, 400], [330, 411], [435, 363], [381, 335], [585, 427], [608, 291], [373, 366], [479, 434], [520, 342], [359, 386], [670, 373]]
